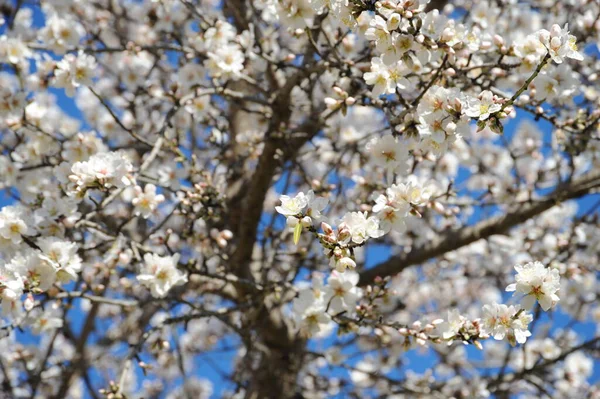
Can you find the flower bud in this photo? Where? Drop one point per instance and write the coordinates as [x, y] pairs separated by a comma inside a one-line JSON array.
[[447, 35], [345, 263], [291, 221], [343, 233], [438, 207], [306, 221], [326, 228], [498, 40]]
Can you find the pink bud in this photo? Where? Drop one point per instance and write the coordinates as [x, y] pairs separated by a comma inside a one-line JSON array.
[[498, 40], [327, 229]]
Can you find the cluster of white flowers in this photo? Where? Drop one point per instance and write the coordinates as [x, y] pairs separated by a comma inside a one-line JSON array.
[[386, 78], [226, 61], [559, 43], [13, 50], [458, 327], [358, 228], [500, 321], [536, 282], [74, 71], [60, 34], [14, 224], [442, 120], [225, 54], [314, 307], [309, 310], [102, 171], [62, 256], [29, 264], [398, 201], [10, 102], [390, 153], [303, 208]]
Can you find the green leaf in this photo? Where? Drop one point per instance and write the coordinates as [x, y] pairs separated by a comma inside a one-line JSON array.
[[481, 125], [297, 232], [496, 126]]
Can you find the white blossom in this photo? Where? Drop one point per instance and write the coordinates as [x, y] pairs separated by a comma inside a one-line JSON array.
[[309, 310], [452, 326], [536, 282], [341, 293], [104, 170], [559, 43], [483, 106], [502, 321], [361, 227], [160, 274], [14, 224], [389, 153], [74, 71], [146, 201], [62, 255]]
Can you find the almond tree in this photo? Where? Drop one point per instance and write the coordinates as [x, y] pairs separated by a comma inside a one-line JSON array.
[[192, 185]]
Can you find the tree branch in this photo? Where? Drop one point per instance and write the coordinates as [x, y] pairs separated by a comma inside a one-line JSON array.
[[459, 238]]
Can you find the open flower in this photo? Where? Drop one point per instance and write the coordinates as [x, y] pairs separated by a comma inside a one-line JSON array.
[[146, 201], [292, 206], [483, 106], [160, 274], [536, 282], [310, 313], [341, 292]]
